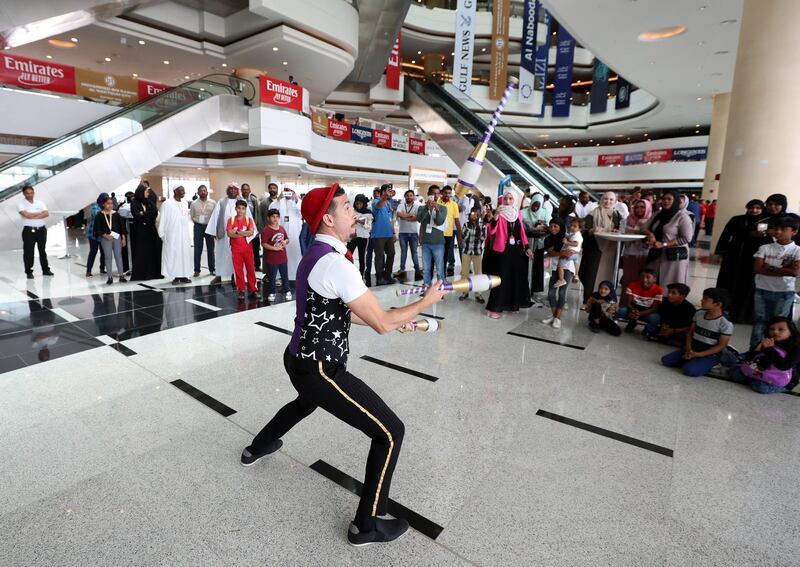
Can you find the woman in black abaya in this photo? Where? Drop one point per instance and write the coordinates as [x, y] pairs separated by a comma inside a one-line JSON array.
[[145, 243]]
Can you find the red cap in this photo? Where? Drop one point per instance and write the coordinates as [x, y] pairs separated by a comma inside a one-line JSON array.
[[315, 203]]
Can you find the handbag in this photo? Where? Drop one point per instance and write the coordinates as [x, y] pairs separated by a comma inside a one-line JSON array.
[[675, 253], [771, 375]]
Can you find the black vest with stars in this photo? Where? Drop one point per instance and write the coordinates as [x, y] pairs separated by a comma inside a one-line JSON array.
[[321, 325]]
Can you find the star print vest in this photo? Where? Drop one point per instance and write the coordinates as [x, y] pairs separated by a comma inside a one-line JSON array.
[[321, 325]]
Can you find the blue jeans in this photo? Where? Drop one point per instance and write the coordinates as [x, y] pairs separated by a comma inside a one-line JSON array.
[[766, 305], [694, 367], [200, 236], [410, 240], [652, 321], [272, 270], [432, 254], [557, 296]]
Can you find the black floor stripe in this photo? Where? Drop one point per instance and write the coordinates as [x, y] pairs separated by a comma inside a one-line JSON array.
[[32, 295], [606, 433], [432, 316], [150, 287], [420, 523], [203, 398], [123, 349], [274, 328], [546, 341], [400, 368]]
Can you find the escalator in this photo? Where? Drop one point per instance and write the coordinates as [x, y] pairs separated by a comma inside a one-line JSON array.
[[457, 129], [72, 170]]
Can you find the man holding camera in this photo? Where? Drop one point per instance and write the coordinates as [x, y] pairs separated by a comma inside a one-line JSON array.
[[383, 237]]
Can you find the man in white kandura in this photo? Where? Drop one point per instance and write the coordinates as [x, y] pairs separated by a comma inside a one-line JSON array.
[[175, 229], [217, 227], [289, 207]]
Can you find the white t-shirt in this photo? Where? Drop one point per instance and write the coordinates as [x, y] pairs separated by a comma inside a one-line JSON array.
[[780, 256], [334, 276], [582, 210], [574, 237], [404, 225], [362, 230], [35, 207]]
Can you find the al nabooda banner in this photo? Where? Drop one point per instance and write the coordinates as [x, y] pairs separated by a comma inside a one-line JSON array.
[[465, 45], [498, 66], [527, 67]]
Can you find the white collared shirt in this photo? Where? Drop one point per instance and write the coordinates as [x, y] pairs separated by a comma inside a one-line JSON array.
[[35, 207], [334, 276], [581, 210]]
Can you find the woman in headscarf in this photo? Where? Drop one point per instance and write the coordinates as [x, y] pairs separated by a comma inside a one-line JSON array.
[[668, 235], [535, 220], [634, 255], [736, 245], [509, 259], [145, 243], [597, 261], [566, 208]]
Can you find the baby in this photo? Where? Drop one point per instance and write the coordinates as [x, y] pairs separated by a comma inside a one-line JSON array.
[[572, 241]]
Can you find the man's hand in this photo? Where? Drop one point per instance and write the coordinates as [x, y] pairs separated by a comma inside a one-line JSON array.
[[433, 294], [409, 327], [634, 314], [688, 355], [528, 253]]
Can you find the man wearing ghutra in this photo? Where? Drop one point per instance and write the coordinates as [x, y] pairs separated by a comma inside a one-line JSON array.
[[225, 209]]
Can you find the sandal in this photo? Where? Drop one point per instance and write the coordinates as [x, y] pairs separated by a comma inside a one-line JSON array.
[[493, 315]]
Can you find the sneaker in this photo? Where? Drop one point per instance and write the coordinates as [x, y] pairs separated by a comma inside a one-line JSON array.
[[479, 299], [463, 296], [255, 294], [418, 275], [548, 321], [241, 295], [109, 281], [493, 315], [271, 297], [556, 323], [122, 279], [385, 531], [48, 273], [249, 459], [29, 275], [559, 283], [288, 296], [197, 274]]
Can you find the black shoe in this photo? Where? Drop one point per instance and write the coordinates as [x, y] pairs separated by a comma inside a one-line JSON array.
[[631, 326], [463, 296], [249, 459], [385, 531], [451, 271], [216, 281], [29, 275], [176, 281], [109, 281], [418, 276], [102, 270], [122, 279], [48, 273], [480, 300], [368, 281], [196, 274]]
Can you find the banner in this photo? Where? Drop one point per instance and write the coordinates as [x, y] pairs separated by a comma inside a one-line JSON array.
[[527, 66], [565, 55], [599, 96], [623, 93], [610, 159], [146, 89], [416, 146], [584, 161], [280, 93], [633, 158], [361, 134], [35, 74], [465, 44], [689, 154], [319, 123], [658, 155], [562, 161], [338, 130], [393, 66], [498, 65], [542, 58], [112, 88], [400, 142], [382, 138]]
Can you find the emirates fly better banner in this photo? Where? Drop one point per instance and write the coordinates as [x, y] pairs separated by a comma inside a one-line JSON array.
[[35, 74], [465, 44], [281, 93], [393, 66]]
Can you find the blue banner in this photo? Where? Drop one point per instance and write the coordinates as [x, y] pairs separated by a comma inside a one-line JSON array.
[[633, 158], [540, 65], [690, 154], [623, 93], [565, 56], [599, 95], [361, 134], [527, 62]]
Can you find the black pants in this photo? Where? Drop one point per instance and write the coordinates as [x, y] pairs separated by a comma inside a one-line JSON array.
[[383, 249], [449, 253], [94, 247], [201, 237], [361, 244], [341, 394], [709, 226], [602, 322], [256, 244], [34, 237]]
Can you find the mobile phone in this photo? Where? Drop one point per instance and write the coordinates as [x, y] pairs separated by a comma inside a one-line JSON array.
[[287, 194], [762, 227]]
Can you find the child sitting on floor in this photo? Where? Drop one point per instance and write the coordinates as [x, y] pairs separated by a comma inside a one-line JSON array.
[[771, 366], [572, 241], [707, 337], [601, 306], [642, 300], [675, 316]]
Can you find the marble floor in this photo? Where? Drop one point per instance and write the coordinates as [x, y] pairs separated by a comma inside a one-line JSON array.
[[120, 445]]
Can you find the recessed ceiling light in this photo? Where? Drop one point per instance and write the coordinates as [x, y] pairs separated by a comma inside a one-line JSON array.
[[697, 125], [224, 64], [419, 52], [697, 131], [413, 61], [49, 56], [186, 76], [61, 43], [107, 59], [662, 33], [274, 49], [597, 144], [141, 42], [613, 142], [483, 49], [166, 62], [452, 53], [699, 98], [285, 62], [591, 141], [74, 39], [136, 74]]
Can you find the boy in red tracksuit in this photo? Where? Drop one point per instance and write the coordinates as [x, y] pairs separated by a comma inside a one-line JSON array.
[[240, 228]]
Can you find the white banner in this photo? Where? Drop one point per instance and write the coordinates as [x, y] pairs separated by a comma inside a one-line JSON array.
[[400, 142], [465, 45], [584, 161]]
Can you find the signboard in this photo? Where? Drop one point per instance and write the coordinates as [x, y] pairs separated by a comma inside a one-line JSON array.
[[562, 161], [542, 57], [527, 68], [361, 134], [498, 66], [465, 45], [658, 155], [35, 74], [565, 55], [416, 146], [584, 161], [382, 138], [633, 158], [623, 94], [400, 142], [146, 89], [112, 88], [338, 130], [319, 123], [281, 93], [393, 66], [599, 94], [690, 154], [610, 159]]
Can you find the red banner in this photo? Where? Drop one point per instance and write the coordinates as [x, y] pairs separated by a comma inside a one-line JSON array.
[[416, 146], [611, 159], [281, 93], [658, 155], [35, 74], [382, 139], [393, 67], [563, 161], [338, 130], [149, 88]]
